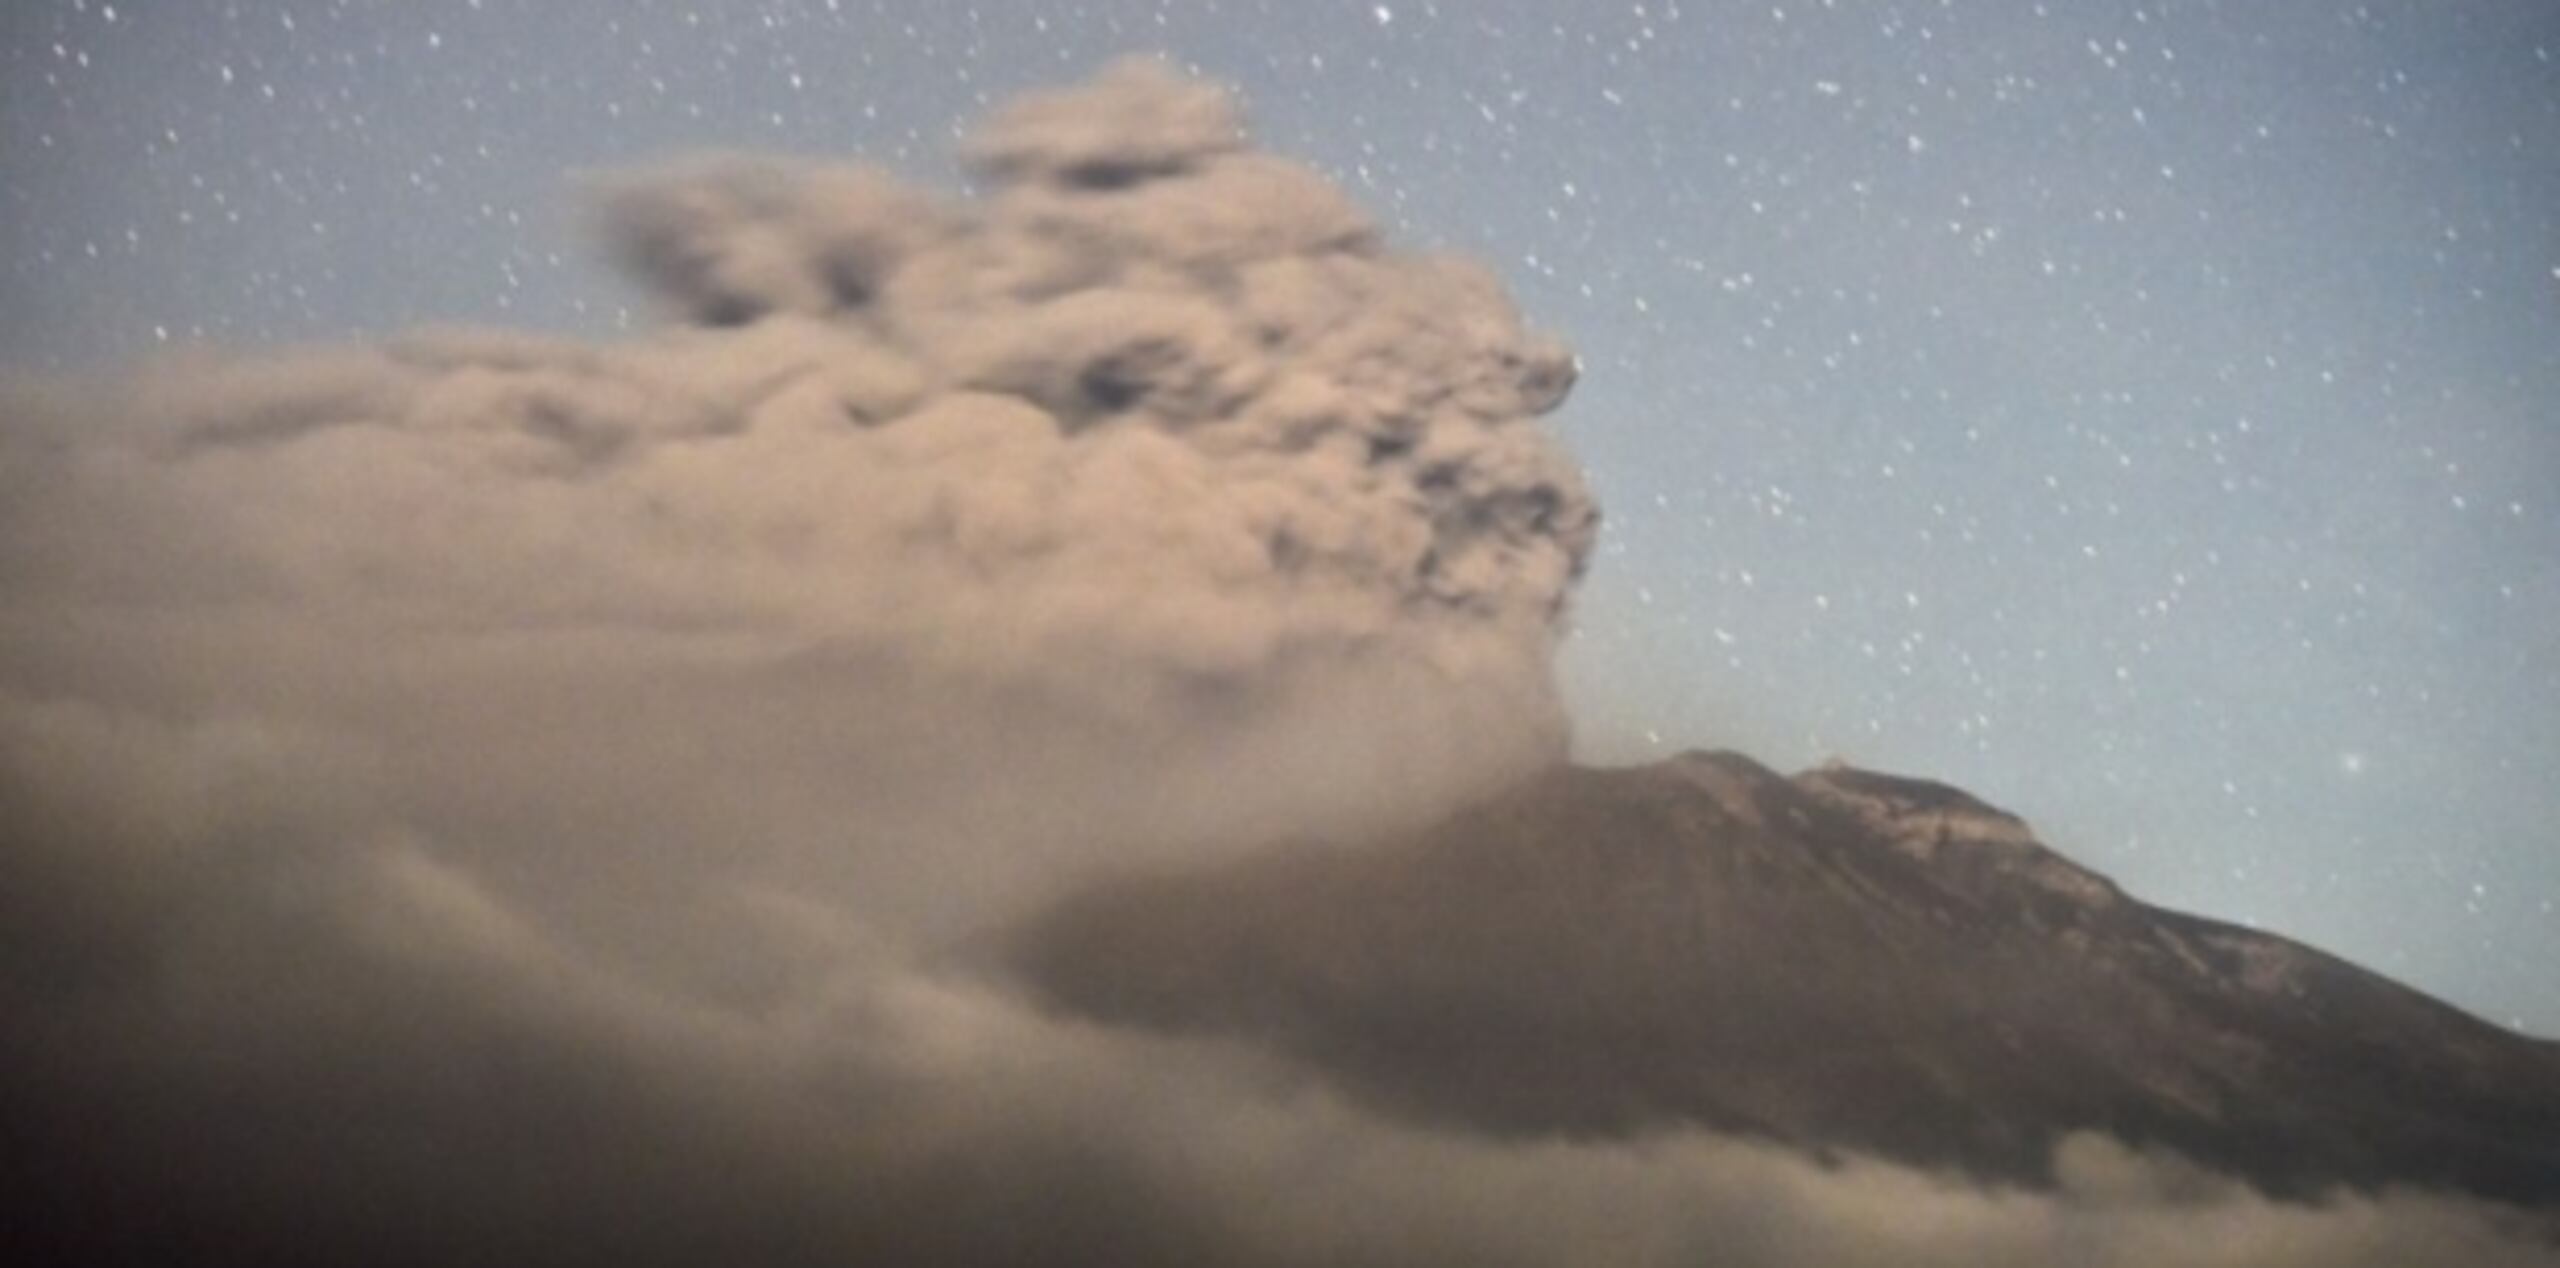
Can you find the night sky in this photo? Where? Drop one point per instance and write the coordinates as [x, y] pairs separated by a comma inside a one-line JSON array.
[[2146, 416]]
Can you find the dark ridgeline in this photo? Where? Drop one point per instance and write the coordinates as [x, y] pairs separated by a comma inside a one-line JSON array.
[[1842, 960]]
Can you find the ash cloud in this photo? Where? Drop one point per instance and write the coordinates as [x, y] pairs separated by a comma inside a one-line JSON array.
[[487, 796], [1152, 465]]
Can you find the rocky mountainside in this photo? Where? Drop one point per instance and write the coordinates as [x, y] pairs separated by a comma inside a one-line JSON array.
[[1838, 960]]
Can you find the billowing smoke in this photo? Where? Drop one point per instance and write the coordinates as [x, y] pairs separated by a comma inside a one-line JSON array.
[[1151, 494], [485, 797]]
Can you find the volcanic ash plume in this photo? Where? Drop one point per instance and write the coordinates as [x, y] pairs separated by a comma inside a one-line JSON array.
[[1152, 470], [1162, 405]]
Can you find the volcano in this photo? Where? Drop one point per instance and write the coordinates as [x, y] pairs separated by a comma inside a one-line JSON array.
[[1837, 961]]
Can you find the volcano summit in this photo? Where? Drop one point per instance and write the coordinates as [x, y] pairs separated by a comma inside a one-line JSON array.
[[1841, 960]]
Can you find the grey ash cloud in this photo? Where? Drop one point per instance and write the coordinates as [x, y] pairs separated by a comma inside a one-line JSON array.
[[483, 796], [1185, 462]]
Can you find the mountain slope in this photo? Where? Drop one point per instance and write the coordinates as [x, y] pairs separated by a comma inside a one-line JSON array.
[[1838, 960]]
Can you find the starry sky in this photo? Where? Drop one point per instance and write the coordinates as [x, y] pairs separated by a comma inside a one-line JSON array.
[[2146, 416]]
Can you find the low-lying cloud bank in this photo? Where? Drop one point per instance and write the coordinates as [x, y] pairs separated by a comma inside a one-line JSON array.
[[333, 1050], [483, 796]]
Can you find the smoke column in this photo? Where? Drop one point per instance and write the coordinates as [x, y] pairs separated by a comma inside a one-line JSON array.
[[1149, 496]]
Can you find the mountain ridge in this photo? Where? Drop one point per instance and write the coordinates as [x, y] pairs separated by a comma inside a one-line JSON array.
[[1841, 960]]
